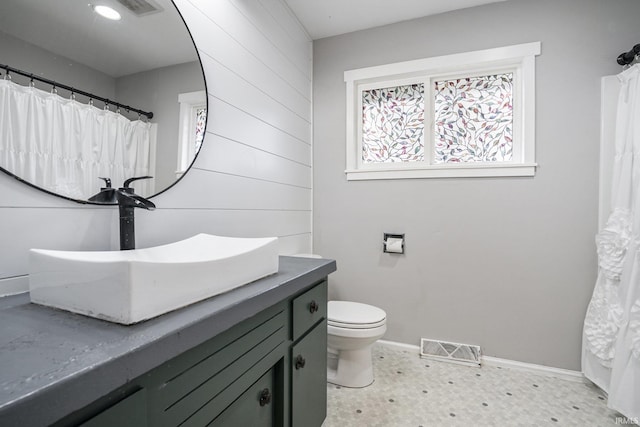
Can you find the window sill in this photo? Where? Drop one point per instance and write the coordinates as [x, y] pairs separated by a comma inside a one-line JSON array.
[[444, 171]]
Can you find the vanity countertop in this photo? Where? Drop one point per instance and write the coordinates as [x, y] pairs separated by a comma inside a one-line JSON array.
[[53, 362]]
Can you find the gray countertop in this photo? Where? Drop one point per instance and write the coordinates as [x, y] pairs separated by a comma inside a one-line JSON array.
[[53, 362]]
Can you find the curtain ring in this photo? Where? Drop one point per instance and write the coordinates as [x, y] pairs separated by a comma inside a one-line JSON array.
[[91, 101], [72, 96], [106, 106], [7, 76], [32, 83], [54, 90]]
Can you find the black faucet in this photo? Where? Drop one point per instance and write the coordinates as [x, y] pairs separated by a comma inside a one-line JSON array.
[[127, 200]]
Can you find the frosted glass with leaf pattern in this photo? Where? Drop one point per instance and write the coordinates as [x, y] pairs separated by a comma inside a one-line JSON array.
[[393, 124], [473, 119]]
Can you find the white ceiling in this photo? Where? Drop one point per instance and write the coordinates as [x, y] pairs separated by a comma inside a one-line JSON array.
[[71, 29], [325, 18]]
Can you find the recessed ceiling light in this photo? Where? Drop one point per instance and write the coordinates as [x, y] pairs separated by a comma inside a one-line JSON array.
[[107, 12]]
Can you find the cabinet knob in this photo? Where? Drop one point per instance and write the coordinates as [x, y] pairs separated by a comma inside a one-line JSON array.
[[313, 306], [300, 362], [265, 397]]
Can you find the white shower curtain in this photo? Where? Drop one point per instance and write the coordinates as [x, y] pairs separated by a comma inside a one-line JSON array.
[[611, 339], [63, 146]]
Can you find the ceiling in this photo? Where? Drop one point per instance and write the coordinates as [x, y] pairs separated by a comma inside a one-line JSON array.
[[325, 18], [71, 29]]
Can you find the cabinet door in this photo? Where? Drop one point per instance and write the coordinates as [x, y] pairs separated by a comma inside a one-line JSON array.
[[254, 408], [130, 412], [194, 388], [309, 378]]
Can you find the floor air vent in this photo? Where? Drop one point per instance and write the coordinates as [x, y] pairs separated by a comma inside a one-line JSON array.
[[466, 354], [140, 7]]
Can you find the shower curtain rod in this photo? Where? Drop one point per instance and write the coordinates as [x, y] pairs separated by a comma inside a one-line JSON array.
[[73, 90], [626, 58]]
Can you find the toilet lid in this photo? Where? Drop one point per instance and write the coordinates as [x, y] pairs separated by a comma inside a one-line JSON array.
[[354, 315]]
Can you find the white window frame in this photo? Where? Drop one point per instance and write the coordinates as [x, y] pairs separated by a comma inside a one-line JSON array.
[[516, 59]]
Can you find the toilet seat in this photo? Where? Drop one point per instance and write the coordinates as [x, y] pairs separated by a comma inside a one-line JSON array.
[[365, 333], [356, 325], [354, 315]]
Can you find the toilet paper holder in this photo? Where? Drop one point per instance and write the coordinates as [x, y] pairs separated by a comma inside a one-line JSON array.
[[393, 243]]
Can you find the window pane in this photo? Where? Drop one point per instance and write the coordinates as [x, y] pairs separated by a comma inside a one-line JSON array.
[[201, 119], [474, 119], [393, 124]]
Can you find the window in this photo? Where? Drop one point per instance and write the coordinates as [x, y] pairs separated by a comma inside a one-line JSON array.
[[462, 115], [193, 116]]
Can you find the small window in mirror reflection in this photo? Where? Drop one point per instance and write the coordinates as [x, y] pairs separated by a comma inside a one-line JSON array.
[[201, 120], [193, 116]]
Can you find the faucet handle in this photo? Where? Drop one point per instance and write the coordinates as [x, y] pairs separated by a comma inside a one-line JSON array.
[[135, 178], [107, 182]]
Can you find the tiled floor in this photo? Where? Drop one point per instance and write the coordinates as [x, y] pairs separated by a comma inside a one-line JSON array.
[[410, 391]]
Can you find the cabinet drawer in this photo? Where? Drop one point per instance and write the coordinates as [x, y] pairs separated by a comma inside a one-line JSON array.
[[309, 308], [309, 378]]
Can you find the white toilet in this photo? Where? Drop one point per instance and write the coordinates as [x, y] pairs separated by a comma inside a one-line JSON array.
[[352, 328]]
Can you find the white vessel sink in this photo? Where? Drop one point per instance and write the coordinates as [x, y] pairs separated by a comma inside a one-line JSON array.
[[130, 286]]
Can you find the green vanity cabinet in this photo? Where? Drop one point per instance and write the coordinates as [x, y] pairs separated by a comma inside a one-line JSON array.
[[268, 370], [252, 356]]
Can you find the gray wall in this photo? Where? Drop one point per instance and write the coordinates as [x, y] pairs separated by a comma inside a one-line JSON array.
[[252, 177], [28, 57], [157, 91], [505, 263]]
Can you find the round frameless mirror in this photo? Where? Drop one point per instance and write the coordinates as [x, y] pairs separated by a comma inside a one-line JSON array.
[[76, 88]]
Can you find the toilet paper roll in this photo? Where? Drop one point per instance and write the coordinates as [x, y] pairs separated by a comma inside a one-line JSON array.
[[394, 245]]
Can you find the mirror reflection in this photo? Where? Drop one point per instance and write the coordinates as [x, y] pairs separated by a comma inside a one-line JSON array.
[[71, 87]]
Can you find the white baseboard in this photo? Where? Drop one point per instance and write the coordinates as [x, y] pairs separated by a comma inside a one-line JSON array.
[[547, 371], [14, 285], [400, 346]]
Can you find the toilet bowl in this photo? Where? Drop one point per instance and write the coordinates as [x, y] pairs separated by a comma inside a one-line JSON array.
[[352, 329]]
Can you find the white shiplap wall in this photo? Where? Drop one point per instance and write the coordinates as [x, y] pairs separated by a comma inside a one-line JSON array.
[[253, 175]]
